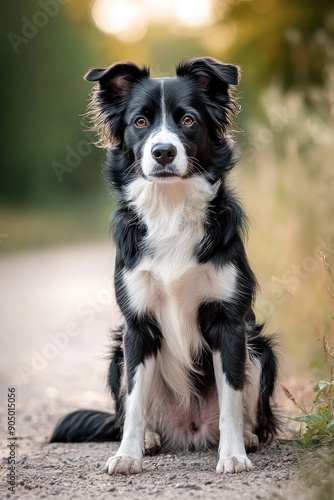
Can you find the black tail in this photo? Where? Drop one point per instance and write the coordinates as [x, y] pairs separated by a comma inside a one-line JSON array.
[[263, 348], [87, 425]]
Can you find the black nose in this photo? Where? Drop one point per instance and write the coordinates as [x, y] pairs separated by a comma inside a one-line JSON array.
[[163, 153]]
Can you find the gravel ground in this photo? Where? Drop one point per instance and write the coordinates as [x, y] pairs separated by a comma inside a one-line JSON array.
[[56, 308], [75, 471]]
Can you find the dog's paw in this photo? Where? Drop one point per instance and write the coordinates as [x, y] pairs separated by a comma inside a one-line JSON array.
[[152, 443], [234, 464], [251, 441], [123, 465]]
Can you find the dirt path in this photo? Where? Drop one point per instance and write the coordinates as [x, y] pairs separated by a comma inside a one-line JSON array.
[[56, 308]]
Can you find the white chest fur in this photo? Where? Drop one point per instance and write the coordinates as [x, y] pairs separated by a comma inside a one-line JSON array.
[[168, 281]]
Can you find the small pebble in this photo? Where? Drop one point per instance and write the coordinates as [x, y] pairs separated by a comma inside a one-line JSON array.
[[180, 485], [223, 486]]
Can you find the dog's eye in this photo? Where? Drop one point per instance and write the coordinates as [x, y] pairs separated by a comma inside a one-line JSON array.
[[140, 122], [187, 120]]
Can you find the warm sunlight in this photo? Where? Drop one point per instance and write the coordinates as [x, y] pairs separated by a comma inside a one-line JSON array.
[[125, 19], [193, 14], [128, 19]]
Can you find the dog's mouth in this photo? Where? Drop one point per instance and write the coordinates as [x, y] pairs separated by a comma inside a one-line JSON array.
[[165, 174]]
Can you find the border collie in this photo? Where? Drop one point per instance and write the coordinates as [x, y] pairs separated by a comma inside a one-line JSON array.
[[189, 367]]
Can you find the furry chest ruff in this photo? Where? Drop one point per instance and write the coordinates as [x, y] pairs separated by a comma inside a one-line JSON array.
[[169, 282]]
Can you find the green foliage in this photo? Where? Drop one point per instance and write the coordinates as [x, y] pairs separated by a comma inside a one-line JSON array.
[[319, 422], [44, 97], [292, 40]]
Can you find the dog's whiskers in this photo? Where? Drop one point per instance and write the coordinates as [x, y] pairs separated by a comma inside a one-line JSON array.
[[128, 170], [193, 163]]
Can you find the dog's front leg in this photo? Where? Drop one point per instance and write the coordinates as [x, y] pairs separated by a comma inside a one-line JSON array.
[[232, 453], [228, 341], [129, 457]]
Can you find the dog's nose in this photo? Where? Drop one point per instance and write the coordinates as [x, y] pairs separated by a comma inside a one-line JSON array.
[[163, 153]]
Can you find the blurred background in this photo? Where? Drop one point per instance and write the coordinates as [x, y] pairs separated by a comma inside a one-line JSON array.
[[53, 196]]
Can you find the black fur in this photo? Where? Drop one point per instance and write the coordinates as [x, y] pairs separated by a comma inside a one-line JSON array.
[[86, 425]]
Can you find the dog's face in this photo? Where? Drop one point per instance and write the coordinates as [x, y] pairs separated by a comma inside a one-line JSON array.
[[166, 127]]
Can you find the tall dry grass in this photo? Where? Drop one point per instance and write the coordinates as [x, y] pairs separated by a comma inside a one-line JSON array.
[[286, 181]]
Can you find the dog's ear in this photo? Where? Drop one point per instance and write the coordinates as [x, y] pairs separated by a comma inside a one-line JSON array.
[[109, 99], [209, 73], [118, 77], [215, 79]]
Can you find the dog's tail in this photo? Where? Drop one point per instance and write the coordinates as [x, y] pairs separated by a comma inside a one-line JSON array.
[[87, 425], [268, 420], [262, 347]]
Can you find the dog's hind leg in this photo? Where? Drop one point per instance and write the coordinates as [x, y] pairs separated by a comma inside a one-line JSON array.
[[152, 442], [251, 394]]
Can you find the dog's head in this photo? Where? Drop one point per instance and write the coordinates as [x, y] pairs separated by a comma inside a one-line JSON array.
[[166, 128]]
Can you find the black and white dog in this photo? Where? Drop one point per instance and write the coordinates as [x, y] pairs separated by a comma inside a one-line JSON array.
[[189, 366]]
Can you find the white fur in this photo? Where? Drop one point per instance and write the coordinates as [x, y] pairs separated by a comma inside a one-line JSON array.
[[163, 105], [170, 211], [152, 442]]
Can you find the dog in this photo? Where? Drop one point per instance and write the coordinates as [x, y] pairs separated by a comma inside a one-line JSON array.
[[190, 367]]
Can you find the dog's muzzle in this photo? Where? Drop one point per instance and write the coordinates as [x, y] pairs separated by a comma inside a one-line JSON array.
[[164, 156]]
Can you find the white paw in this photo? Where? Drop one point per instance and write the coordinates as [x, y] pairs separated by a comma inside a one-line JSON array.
[[251, 441], [234, 464], [123, 465], [152, 443]]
